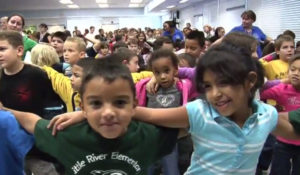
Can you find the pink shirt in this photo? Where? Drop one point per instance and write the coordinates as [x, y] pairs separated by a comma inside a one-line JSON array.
[[287, 97]]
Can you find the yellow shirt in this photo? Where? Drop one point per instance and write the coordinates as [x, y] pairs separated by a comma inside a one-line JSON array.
[[62, 86], [141, 75], [276, 69]]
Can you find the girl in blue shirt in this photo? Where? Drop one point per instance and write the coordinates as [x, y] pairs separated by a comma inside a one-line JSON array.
[[230, 127]]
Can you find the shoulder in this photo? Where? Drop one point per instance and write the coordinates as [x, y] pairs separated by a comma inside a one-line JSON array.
[[237, 28], [7, 120]]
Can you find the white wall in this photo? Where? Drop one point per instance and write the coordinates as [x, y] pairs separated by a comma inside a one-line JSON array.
[[84, 18], [273, 17]]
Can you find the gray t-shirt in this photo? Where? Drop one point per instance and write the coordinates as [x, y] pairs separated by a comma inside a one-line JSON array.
[[165, 98]]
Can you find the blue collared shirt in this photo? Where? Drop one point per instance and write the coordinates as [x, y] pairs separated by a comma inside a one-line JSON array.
[[221, 146], [256, 33]]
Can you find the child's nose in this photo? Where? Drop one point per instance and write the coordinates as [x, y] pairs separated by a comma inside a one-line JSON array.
[[108, 112]]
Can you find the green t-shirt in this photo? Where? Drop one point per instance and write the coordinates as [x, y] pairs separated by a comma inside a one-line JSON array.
[[83, 151], [28, 45], [294, 117]]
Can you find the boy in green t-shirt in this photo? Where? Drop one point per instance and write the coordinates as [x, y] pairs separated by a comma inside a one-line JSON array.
[[109, 141]]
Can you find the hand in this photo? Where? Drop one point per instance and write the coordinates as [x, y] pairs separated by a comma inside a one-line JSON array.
[[152, 86], [62, 121]]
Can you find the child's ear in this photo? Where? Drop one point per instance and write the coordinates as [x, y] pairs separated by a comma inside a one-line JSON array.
[[82, 109], [252, 79], [82, 54], [20, 50]]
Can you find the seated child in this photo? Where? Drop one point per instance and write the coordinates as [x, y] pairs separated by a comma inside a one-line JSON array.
[[109, 141]]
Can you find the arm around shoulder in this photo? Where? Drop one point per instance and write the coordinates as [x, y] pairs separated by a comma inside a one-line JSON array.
[[27, 120], [170, 117]]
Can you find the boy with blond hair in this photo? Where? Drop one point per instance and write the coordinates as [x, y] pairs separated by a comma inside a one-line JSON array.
[[74, 50]]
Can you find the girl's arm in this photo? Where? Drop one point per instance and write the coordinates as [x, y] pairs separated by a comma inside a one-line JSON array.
[[170, 117], [284, 128], [187, 72]]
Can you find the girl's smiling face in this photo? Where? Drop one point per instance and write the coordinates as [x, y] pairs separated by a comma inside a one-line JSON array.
[[229, 100]]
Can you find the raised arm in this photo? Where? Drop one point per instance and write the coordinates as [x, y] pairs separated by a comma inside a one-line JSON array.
[[170, 117], [26, 119]]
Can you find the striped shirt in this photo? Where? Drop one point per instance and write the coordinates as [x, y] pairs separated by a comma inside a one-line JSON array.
[[221, 146]]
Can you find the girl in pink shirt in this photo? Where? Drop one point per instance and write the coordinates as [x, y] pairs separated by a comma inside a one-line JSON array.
[[287, 96]]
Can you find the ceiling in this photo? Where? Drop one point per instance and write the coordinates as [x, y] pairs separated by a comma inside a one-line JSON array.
[[21, 5]]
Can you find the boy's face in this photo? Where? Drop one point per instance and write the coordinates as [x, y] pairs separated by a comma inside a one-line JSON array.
[[108, 107], [9, 55], [77, 74], [58, 44], [134, 48], [192, 47], [164, 71], [71, 53], [294, 74], [286, 51], [133, 64]]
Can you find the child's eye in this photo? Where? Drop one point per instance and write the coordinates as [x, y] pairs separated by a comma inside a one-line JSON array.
[[206, 86], [120, 103], [95, 103]]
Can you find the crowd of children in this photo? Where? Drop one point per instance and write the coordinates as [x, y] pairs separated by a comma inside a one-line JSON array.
[[84, 104]]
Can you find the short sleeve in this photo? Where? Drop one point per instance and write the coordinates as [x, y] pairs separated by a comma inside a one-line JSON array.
[[19, 141], [294, 117], [43, 138], [194, 110]]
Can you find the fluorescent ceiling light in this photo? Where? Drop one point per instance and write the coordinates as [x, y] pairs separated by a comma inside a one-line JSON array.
[[136, 1], [183, 1], [171, 6], [66, 2], [73, 6], [103, 5], [154, 3], [164, 10], [101, 1], [133, 5]]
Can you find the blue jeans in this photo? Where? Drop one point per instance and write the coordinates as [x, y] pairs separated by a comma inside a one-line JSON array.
[[286, 159], [169, 164]]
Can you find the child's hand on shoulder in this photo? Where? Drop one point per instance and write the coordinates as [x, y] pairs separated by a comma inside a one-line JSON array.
[[63, 121], [152, 86]]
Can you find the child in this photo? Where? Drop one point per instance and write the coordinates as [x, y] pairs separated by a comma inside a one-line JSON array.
[[278, 69], [195, 44], [186, 60], [104, 50], [129, 58], [164, 65], [229, 126], [286, 152], [67, 88], [74, 49], [109, 142], [57, 41], [15, 144], [23, 87]]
